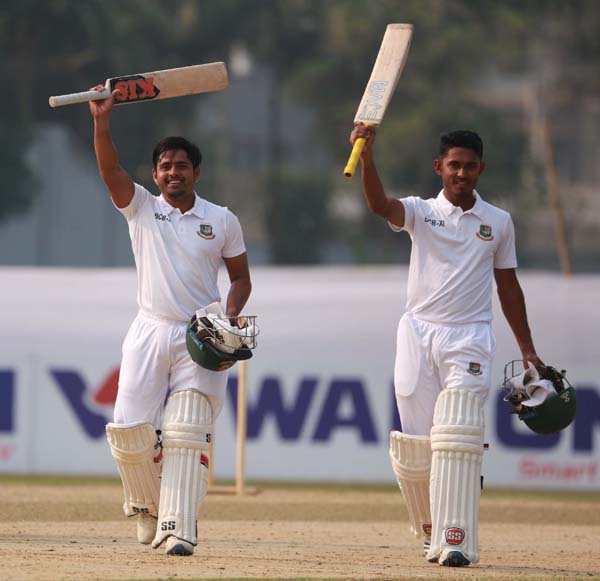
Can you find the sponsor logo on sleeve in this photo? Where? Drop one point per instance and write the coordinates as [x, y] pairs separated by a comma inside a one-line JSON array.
[[435, 222]]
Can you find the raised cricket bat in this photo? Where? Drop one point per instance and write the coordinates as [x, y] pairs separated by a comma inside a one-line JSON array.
[[153, 86], [382, 84]]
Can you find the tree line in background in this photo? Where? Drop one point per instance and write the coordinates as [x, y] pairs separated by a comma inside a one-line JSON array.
[[320, 54]]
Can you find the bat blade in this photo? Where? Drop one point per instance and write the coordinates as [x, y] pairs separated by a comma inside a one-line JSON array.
[[382, 84], [155, 85]]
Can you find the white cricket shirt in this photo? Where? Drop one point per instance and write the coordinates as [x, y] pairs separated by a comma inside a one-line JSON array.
[[453, 257], [178, 255]]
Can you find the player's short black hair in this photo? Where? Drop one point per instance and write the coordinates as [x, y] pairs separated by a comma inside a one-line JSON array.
[[176, 142], [467, 139]]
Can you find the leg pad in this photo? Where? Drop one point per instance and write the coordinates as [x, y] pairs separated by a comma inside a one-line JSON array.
[[136, 450], [187, 431], [411, 461], [457, 445]]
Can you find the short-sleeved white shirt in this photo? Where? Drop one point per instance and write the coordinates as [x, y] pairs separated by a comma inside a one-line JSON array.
[[453, 257], [178, 255]]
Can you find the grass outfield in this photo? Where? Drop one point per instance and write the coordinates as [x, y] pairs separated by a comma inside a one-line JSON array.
[[61, 480]]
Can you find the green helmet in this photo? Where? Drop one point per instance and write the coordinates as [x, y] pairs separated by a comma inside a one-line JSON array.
[[554, 415], [555, 412], [216, 343]]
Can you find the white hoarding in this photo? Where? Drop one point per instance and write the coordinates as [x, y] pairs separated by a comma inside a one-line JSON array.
[[320, 394]]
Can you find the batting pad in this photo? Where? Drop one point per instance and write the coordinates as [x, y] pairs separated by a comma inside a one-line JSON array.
[[136, 450], [186, 434], [457, 445], [411, 461]]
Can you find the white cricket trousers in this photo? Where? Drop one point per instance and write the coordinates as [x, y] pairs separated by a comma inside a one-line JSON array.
[[155, 360], [431, 357]]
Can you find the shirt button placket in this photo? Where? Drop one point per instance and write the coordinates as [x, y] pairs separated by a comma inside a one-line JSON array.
[[460, 234]]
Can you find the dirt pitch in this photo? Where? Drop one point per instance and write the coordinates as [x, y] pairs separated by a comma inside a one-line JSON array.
[[66, 529]]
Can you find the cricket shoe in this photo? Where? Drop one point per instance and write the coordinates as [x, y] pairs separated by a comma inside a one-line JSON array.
[[426, 544], [454, 559], [178, 547], [426, 547], [146, 528]]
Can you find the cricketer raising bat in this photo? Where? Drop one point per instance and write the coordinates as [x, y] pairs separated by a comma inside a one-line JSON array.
[[384, 78], [156, 85]]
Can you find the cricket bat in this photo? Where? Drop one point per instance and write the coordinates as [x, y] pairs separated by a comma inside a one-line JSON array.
[[382, 84], [153, 86]]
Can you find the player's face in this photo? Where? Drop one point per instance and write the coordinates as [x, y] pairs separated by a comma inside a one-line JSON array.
[[460, 169], [175, 175]]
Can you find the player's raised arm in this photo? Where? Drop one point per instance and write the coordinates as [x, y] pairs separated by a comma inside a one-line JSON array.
[[379, 203], [117, 180]]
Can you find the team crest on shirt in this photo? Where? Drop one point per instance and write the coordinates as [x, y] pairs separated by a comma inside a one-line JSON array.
[[474, 368], [485, 233], [205, 231]]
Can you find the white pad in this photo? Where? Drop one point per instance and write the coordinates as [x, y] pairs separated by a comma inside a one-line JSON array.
[[411, 461], [457, 445], [136, 449], [186, 434]]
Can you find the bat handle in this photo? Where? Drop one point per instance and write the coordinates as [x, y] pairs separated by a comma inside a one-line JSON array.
[[350, 168], [59, 100]]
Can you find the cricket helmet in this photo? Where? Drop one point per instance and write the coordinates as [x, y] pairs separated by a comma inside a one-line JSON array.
[[216, 342], [555, 412]]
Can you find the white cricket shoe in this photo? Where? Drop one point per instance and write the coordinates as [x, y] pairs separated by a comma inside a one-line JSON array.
[[146, 528], [179, 547]]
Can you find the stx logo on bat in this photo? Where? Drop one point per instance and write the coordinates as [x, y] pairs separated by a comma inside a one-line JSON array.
[[134, 88], [373, 105]]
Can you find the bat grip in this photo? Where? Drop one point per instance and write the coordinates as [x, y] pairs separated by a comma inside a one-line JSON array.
[[59, 100], [350, 168]]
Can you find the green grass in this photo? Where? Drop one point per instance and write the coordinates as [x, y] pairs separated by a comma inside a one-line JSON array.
[[567, 495], [62, 480], [420, 578], [57, 479]]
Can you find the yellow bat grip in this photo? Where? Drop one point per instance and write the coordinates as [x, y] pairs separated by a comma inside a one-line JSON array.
[[354, 157]]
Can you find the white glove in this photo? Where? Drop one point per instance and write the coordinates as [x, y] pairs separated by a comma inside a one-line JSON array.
[[536, 388], [213, 308]]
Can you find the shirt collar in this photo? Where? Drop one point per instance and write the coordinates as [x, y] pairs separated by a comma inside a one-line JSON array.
[[477, 209], [449, 208], [198, 209]]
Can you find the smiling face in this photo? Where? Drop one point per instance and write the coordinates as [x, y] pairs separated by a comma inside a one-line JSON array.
[[459, 169], [175, 176]]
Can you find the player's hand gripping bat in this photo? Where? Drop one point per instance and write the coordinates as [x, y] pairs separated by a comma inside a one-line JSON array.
[[156, 85], [384, 78]]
